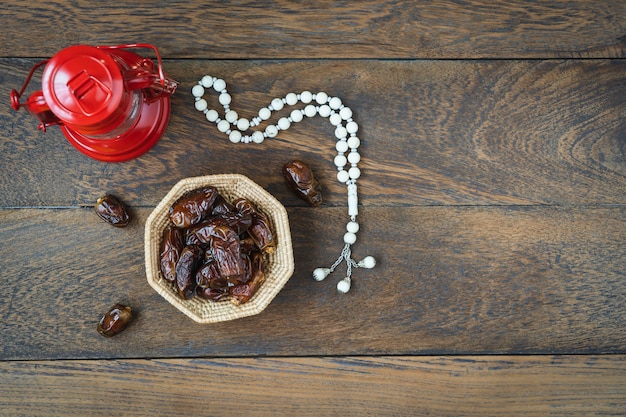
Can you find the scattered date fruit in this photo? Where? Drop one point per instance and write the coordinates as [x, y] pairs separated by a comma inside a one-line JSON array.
[[301, 180], [115, 320], [112, 210], [215, 249]]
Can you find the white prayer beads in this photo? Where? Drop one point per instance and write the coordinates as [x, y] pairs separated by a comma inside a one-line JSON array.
[[332, 108]]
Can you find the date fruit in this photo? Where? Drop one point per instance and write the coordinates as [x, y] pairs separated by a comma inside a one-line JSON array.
[[226, 251], [208, 276], [172, 245], [190, 259], [243, 292], [259, 230], [203, 232], [115, 320], [112, 210], [193, 206], [301, 180]]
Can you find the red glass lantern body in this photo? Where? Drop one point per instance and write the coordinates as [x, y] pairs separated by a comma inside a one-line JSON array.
[[111, 104]]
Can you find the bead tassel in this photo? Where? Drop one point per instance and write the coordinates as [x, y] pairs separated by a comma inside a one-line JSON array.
[[321, 104]]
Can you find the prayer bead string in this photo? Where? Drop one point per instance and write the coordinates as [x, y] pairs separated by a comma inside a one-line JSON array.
[[321, 104]]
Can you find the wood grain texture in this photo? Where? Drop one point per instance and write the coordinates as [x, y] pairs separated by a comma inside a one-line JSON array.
[[450, 280], [355, 386], [432, 132], [323, 29], [492, 196]]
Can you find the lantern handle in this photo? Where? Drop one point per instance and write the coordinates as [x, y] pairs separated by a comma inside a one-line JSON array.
[[15, 95], [162, 78]]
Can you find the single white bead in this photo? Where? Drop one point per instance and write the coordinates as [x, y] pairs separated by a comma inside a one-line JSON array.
[[335, 119], [235, 136], [277, 104], [310, 110], [345, 113], [343, 176], [296, 116], [225, 99], [341, 132], [341, 146], [207, 81], [231, 116], [340, 161], [354, 142], [201, 104], [354, 173], [352, 127], [368, 262], [223, 126], [271, 131], [352, 227], [283, 123], [306, 97], [320, 273], [219, 85], [354, 157], [334, 103], [197, 90], [343, 286], [321, 97], [349, 238], [212, 115], [243, 124], [291, 99], [265, 113], [257, 137], [324, 110]]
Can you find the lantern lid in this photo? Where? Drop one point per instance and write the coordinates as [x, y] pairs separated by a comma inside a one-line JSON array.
[[83, 85]]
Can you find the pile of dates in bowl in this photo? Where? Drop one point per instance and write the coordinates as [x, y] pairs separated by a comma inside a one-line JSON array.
[[218, 247]]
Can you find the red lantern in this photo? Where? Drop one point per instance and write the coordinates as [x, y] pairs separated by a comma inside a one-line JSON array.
[[111, 104]]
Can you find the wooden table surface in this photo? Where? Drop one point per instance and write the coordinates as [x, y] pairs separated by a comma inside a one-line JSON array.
[[493, 144]]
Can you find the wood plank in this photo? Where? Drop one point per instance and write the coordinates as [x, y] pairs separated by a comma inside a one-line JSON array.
[[324, 29], [450, 280], [355, 386], [432, 132]]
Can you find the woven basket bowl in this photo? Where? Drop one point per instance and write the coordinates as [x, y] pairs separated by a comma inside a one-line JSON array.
[[279, 266]]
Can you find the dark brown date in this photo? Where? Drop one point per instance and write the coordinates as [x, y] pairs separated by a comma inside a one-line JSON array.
[[246, 258], [245, 207], [236, 221], [221, 206], [302, 181], [190, 260], [259, 230], [208, 276], [115, 320], [242, 293], [248, 245], [172, 245], [261, 233], [193, 206], [112, 210], [226, 250], [203, 231]]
